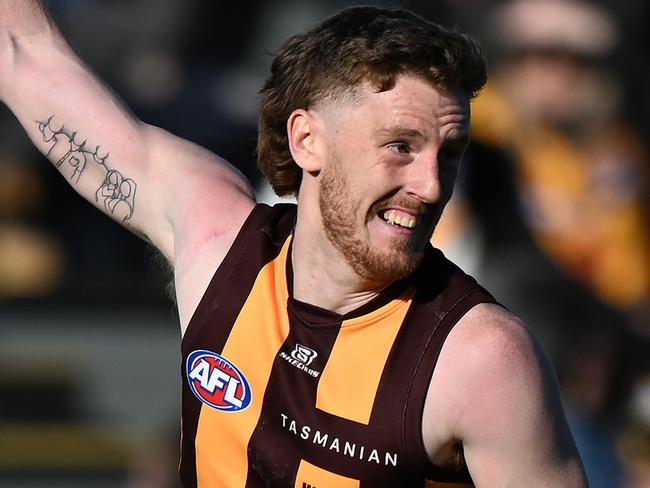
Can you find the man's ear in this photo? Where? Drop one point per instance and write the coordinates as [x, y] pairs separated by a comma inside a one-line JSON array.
[[302, 132]]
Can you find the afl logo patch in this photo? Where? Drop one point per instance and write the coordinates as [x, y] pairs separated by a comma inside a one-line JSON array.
[[217, 382]]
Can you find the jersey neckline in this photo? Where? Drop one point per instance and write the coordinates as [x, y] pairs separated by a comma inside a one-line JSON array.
[[315, 316]]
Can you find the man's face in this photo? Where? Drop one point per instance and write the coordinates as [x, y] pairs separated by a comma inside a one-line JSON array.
[[392, 159]]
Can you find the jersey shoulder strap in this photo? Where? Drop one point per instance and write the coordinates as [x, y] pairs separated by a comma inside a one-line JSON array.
[[259, 241]]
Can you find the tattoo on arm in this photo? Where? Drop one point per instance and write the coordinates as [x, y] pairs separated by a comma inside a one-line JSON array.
[[116, 193]]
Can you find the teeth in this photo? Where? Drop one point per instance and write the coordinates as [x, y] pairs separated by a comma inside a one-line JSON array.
[[392, 218]]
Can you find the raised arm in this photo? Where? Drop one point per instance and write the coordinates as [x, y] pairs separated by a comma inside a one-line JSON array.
[[185, 200], [141, 176], [499, 399]]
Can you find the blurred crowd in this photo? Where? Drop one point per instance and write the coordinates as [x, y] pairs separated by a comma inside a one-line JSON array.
[[551, 212]]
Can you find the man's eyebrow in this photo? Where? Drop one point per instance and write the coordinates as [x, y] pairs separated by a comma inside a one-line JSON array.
[[398, 131]]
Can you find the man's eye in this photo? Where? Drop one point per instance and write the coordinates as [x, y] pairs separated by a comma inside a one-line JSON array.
[[399, 147]]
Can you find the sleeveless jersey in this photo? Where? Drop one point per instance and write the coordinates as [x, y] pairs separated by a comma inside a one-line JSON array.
[[280, 393]]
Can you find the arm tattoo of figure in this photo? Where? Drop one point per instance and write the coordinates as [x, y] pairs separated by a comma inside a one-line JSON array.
[[116, 193]]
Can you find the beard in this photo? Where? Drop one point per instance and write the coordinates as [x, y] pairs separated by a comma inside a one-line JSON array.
[[339, 212]]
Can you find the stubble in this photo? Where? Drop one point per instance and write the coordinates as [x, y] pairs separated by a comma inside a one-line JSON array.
[[339, 211]]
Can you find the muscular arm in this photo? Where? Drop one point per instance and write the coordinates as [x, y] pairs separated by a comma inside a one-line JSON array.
[[498, 397], [185, 200], [139, 175]]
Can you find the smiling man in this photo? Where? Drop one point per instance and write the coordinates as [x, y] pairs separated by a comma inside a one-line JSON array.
[[325, 344], [388, 174]]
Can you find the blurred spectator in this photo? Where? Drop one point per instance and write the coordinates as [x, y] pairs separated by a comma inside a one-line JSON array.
[[582, 172]]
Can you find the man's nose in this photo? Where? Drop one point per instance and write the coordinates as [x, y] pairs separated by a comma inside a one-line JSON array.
[[423, 178]]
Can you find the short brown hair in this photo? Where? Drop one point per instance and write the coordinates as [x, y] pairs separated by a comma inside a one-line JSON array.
[[357, 45]]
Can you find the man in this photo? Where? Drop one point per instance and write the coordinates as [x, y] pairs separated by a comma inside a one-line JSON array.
[[311, 333]]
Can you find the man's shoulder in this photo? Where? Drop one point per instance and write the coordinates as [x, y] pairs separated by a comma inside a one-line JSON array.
[[493, 326], [497, 394], [491, 340], [489, 359]]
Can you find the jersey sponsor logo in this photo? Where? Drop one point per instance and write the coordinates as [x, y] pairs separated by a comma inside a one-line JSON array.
[[303, 354], [334, 444], [217, 382], [301, 357]]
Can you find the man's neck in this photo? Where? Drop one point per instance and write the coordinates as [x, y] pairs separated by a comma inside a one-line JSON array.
[[322, 276], [325, 286]]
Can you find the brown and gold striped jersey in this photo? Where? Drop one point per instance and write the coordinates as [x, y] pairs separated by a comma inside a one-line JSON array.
[[280, 393]]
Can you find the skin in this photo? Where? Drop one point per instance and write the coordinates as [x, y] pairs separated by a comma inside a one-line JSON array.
[[396, 150], [493, 391]]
